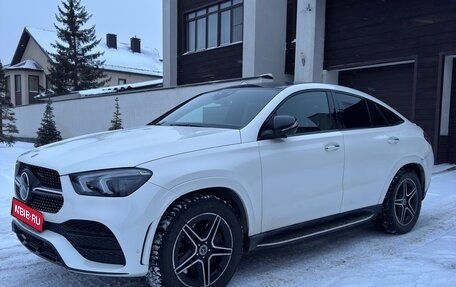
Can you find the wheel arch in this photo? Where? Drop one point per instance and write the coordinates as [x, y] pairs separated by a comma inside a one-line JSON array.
[[228, 195], [412, 164], [419, 170]]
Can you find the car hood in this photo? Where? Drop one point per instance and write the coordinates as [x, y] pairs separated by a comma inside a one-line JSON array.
[[126, 148]]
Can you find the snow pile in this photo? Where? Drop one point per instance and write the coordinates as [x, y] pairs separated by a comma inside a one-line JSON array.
[[355, 257]]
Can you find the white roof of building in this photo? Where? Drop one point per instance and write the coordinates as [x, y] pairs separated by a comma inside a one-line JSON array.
[[27, 64], [121, 59]]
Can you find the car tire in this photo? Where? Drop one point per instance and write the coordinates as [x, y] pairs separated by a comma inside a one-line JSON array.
[[402, 204], [198, 242]]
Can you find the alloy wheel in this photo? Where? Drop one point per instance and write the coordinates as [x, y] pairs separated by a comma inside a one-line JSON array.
[[406, 201], [202, 250]]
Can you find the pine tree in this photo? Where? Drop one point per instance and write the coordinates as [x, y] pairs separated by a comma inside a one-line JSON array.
[[7, 119], [76, 64], [48, 132], [116, 122]]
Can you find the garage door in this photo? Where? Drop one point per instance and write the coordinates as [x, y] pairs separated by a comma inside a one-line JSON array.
[[392, 84]]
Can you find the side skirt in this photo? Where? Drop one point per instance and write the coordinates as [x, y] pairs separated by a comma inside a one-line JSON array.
[[313, 228]]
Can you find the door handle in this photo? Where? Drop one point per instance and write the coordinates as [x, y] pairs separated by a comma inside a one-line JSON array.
[[393, 140], [332, 147]]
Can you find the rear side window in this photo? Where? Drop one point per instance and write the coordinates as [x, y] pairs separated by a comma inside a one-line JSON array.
[[352, 112], [390, 116], [381, 116], [377, 118]]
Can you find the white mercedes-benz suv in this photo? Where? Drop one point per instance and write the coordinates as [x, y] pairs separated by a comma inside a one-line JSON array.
[[181, 199]]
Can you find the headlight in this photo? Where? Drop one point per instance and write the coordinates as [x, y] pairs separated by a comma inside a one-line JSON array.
[[113, 182]]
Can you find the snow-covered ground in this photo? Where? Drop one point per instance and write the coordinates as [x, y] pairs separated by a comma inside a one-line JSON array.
[[355, 257]]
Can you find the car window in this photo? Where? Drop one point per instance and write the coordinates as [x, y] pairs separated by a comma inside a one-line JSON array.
[[352, 112], [377, 118], [311, 109], [227, 108], [381, 116], [390, 116]]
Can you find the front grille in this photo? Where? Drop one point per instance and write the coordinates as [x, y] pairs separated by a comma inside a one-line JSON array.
[[46, 203], [48, 178], [38, 246], [93, 240]]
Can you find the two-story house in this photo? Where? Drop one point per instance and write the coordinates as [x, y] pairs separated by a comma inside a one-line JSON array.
[[125, 63]]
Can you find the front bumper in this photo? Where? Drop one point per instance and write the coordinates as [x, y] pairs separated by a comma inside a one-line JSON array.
[[123, 243]]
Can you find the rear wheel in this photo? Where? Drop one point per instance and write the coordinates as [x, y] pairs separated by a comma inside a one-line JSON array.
[[198, 243], [402, 204]]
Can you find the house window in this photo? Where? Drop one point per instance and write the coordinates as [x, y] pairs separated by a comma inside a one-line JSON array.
[[33, 88], [7, 87], [121, 81], [34, 85], [214, 26], [17, 89]]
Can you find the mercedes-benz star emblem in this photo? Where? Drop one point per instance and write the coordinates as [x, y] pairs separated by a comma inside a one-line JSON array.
[[24, 186]]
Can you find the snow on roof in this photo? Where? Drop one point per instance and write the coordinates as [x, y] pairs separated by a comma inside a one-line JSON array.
[[105, 90], [119, 88], [27, 64], [121, 59]]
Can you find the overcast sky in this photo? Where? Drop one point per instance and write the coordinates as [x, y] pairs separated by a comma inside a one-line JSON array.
[[126, 18]]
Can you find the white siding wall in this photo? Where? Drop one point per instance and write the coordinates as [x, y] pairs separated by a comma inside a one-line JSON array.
[[94, 114], [34, 52], [131, 78]]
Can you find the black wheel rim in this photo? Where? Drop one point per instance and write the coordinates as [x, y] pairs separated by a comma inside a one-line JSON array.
[[202, 250], [406, 202]]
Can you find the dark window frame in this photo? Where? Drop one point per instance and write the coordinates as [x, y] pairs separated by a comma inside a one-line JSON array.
[[8, 87], [204, 12], [37, 78], [35, 92], [18, 89], [119, 80]]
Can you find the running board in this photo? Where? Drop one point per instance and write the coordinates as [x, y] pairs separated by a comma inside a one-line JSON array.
[[312, 229]]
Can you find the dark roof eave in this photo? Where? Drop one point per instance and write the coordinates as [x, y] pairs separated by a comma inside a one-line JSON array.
[[23, 42], [25, 69], [20, 49]]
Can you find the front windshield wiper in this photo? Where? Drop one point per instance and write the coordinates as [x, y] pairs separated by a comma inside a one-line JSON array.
[[186, 125]]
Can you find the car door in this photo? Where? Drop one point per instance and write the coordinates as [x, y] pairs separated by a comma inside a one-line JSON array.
[[302, 174], [372, 140]]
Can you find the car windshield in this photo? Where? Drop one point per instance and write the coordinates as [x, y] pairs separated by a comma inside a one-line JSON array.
[[228, 108]]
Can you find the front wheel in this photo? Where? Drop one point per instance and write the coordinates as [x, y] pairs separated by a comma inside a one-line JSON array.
[[198, 243], [402, 205]]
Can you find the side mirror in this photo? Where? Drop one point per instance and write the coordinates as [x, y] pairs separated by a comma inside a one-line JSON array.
[[280, 127]]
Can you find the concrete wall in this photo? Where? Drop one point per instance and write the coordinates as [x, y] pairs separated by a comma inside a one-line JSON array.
[[88, 115], [170, 43], [310, 39], [264, 40]]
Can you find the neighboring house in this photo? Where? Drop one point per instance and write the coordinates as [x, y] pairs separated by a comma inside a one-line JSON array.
[[402, 54], [124, 64]]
